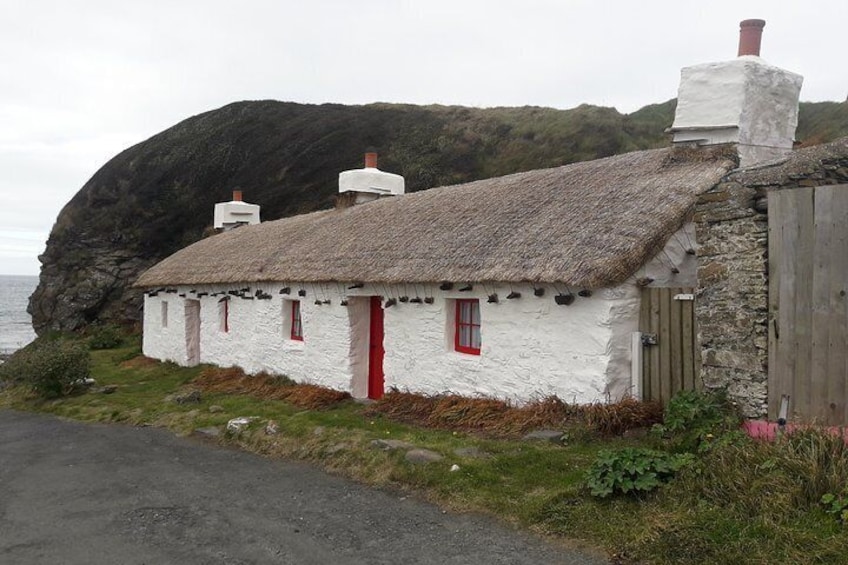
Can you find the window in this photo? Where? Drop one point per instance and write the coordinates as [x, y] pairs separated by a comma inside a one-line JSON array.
[[296, 326], [224, 315], [164, 314], [467, 334]]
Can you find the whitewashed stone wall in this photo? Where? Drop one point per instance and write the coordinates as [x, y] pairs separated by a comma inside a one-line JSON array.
[[745, 101], [530, 346]]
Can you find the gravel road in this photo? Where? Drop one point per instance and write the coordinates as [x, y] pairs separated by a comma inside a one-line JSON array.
[[90, 494]]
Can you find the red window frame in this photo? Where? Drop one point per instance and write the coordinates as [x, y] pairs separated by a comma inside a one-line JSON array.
[[296, 323], [225, 314], [466, 345]]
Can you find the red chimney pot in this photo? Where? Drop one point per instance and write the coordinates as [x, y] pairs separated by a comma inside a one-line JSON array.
[[237, 195], [750, 36], [371, 160]]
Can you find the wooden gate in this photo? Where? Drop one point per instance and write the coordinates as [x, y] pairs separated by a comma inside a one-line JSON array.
[[669, 346], [808, 307]]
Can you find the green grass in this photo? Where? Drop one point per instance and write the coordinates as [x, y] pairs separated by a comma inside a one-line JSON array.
[[736, 506]]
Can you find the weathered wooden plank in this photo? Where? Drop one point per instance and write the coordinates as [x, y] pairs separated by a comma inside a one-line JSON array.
[[837, 356], [688, 342], [656, 374], [676, 341], [783, 213], [645, 327], [786, 322], [776, 386], [804, 245], [666, 343], [821, 317]]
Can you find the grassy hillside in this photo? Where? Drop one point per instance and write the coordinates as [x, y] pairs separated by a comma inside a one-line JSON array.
[[820, 122]]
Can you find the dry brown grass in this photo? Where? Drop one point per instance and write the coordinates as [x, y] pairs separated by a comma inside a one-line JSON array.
[[232, 380], [455, 412], [138, 362], [618, 417], [499, 418], [314, 397]]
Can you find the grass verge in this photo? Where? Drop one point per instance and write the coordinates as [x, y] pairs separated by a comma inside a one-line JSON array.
[[743, 502]]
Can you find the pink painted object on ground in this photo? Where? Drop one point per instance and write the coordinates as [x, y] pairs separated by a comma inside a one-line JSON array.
[[762, 429]]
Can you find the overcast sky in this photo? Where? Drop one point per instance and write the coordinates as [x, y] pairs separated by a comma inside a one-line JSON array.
[[82, 80]]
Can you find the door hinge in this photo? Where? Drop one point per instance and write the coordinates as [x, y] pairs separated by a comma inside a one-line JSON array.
[[649, 339]]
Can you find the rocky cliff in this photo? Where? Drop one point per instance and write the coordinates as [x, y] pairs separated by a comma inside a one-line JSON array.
[[158, 196]]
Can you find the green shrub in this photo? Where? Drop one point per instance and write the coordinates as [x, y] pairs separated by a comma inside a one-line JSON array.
[[837, 504], [632, 470], [696, 421], [52, 368], [105, 337]]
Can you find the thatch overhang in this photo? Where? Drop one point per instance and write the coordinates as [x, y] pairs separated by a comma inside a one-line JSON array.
[[587, 225]]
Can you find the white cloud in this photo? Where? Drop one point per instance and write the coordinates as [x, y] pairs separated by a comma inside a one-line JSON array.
[[81, 81]]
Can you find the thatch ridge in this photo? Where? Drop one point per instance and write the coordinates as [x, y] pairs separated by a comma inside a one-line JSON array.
[[589, 224], [800, 162]]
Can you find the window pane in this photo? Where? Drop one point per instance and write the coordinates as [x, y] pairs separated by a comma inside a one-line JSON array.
[[475, 337], [297, 329], [475, 312], [464, 312], [465, 336]]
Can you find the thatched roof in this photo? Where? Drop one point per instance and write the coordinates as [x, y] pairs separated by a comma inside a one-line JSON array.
[[588, 224], [799, 163]]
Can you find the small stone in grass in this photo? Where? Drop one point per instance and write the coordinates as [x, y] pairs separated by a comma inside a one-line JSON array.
[[272, 428], [390, 444], [422, 456]]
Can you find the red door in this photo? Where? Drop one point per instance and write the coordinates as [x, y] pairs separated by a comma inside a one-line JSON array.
[[375, 350]]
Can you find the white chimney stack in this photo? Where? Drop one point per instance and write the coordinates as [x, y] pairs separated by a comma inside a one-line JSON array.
[[745, 101], [230, 215], [370, 183]]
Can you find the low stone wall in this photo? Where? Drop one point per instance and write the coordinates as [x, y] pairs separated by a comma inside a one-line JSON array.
[[732, 306]]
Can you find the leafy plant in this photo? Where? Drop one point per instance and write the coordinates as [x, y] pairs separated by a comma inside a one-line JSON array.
[[837, 504], [695, 421], [105, 337], [632, 470], [51, 368]]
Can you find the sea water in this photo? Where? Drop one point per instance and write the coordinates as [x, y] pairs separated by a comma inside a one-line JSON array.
[[15, 324]]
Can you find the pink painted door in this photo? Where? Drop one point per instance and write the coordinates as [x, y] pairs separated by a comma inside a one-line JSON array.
[[375, 350], [192, 332]]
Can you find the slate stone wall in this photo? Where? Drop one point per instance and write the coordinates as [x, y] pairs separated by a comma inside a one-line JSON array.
[[732, 305]]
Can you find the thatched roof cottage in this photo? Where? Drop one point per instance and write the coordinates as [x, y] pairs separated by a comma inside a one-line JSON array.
[[545, 265], [578, 281]]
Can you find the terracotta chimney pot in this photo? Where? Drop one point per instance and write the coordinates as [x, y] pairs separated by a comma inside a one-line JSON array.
[[370, 160], [237, 196], [750, 36]]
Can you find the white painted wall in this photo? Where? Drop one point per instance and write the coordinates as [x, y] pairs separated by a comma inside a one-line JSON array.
[[235, 212], [371, 180], [164, 342], [675, 254], [531, 346], [745, 101]]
